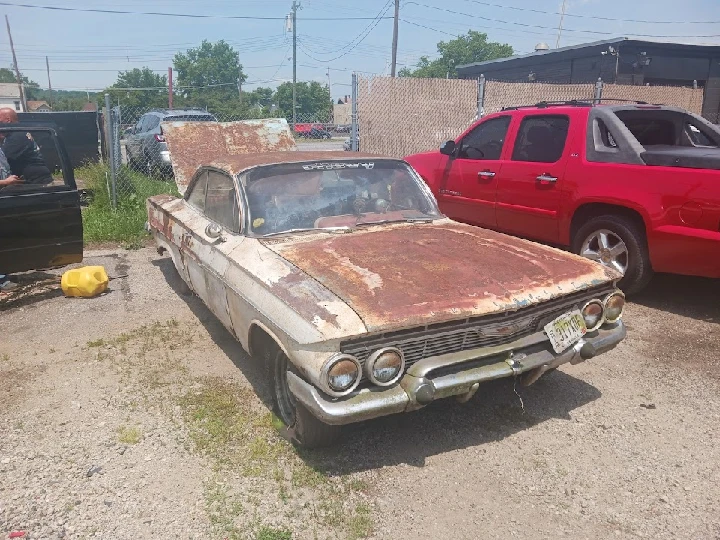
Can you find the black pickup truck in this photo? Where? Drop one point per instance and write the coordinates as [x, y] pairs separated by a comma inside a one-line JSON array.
[[40, 224]]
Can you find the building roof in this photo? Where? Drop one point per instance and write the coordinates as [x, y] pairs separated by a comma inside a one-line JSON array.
[[90, 106], [9, 90], [35, 105], [575, 51]]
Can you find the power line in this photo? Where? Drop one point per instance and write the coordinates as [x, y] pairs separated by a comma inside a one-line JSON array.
[[597, 17], [183, 15], [353, 43], [525, 25]]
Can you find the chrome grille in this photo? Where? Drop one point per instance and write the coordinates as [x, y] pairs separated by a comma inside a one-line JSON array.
[[473, 333], [449, 341]]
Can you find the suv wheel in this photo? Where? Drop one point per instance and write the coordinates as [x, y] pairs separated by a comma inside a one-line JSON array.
[[616, 242], [300, 426]]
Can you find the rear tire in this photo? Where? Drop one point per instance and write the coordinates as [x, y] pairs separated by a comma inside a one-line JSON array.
[[301, 427], [619, 243]]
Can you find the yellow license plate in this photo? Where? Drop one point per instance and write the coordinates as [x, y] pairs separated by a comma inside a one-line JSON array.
[[566, 330]]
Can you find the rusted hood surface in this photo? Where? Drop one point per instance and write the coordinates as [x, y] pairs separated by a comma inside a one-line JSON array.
[[409, 275], [192, 144]]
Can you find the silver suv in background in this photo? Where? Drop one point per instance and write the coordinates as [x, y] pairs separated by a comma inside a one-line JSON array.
[[145, 145]]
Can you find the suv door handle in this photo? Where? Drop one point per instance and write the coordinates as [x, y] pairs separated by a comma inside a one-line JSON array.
[[486, 174], [547, 178]]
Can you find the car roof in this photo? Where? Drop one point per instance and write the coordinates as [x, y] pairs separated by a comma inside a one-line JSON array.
[[180, 112], [238, 163]]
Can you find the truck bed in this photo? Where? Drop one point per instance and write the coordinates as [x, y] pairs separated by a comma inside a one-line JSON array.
[[682, 156]]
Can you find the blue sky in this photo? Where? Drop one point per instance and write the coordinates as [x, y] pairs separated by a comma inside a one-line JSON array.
[[87, 49]]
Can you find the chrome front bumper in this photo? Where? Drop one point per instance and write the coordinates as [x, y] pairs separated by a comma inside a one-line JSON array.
[[456, 374]]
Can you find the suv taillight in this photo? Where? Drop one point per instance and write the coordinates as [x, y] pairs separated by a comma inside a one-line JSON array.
[[159, 138]]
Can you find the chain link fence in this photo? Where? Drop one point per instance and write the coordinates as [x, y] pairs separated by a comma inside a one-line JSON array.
[[138, 154], [402, 116]]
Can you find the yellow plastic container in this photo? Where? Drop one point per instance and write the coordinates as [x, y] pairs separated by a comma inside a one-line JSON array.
[[86, 282]]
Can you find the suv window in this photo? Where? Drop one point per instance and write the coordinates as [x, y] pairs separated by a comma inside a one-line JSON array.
[[541, 138], [196, 197], [649, 130], [152, 122], [220, 202], [486, 140], [698, 137]]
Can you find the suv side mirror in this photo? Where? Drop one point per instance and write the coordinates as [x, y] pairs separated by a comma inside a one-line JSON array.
[[448, 148]]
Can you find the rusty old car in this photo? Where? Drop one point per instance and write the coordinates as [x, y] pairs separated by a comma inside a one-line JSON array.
[[340, 273]]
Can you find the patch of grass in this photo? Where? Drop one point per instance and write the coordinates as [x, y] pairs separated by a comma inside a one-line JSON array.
[[129, 435], [360, 524], [125, 224], [96, 343], [5, 358], [222, 510], [271, 533]]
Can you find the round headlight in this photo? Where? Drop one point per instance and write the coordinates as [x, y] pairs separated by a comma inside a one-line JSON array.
[[343, 374], [614, 306], [385, 366], [592, 312]]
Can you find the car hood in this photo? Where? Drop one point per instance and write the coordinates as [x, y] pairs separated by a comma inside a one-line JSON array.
[[403, 275]]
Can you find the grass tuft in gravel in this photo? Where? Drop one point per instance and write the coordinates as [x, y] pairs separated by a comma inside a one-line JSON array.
[[129, 435], [125, 224], [271, 533]]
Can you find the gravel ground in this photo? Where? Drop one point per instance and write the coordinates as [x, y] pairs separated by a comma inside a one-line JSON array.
[[135, 414]]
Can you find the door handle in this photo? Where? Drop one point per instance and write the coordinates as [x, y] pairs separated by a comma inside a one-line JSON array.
[[486, 174], [547, 178]]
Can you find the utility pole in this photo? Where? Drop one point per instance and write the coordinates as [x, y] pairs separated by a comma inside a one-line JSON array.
[[395, 38], [17, 71], [295, 7], [240, 83], [562, 16], [47, 64], [170, 88]]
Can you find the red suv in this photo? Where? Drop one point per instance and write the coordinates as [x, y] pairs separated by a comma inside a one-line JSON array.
[[633, 186]]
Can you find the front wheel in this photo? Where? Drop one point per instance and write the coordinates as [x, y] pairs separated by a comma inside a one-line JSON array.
[[618, 243], [301, 427]]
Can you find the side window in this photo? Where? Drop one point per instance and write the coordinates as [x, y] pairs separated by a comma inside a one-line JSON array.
[[140, 127], [486, 140], [152, 122], [697, 136], [220, 201], [541, 139], [196, 197]]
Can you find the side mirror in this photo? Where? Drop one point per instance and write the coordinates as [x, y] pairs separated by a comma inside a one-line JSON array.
[[448, 148], [213, 231]]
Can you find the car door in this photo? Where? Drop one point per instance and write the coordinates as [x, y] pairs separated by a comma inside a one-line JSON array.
[[530, 182], [41, 225], [204, 251], [468, 189], [148, 150]]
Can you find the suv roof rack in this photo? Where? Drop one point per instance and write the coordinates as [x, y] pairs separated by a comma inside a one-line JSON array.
[[577, 103]]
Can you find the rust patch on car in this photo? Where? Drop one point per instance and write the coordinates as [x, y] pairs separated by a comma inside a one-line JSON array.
[[408, 275], [306, 297], [192, 144]]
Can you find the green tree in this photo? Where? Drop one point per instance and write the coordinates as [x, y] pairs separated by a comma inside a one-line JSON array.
[[157, 96], [313, 101], [213, 70], [473, 47]]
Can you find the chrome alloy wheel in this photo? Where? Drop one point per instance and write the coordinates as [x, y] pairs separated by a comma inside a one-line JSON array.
[[606, 247]]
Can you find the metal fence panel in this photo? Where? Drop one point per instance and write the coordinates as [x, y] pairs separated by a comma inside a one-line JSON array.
[[401, 116]]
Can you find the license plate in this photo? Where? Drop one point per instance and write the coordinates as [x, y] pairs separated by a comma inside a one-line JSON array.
[[566, 330]]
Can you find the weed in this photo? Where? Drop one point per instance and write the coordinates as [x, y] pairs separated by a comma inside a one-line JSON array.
[[271, 533], [96, 343], [125, 224], [5, 358], [222, 510], [129, 435], [306, 476], [360, 524]]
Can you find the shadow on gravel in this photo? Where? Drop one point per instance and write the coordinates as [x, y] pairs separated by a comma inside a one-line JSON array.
[[683, 295], [493, 414]]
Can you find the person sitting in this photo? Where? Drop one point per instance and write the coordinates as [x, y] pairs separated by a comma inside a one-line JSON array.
[[22, 153]]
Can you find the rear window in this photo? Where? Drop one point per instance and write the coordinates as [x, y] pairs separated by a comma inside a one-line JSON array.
[[190, 118], [649, 130]]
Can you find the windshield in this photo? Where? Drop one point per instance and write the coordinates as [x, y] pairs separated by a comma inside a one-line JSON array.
[[334, 194]]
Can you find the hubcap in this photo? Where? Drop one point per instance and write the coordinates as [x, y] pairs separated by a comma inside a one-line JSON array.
[[606, 247]]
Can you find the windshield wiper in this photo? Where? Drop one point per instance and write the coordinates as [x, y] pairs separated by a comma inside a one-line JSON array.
[[400, 220], [309, 229]]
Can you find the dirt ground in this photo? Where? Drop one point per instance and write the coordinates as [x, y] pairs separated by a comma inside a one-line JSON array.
[[136, 415]]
